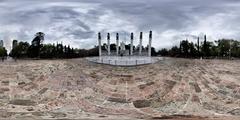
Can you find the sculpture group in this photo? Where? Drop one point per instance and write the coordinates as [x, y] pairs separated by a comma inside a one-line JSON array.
[[120, 52]]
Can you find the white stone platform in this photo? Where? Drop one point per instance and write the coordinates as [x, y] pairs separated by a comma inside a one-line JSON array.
[[124, 60]]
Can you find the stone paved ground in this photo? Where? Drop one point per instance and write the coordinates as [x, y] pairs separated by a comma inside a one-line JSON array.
[[78, 89]]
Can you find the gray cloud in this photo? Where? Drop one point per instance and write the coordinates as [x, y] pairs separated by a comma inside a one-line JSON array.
[[76, 22]]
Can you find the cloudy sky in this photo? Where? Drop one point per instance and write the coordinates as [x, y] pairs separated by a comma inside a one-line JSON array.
[[77, 22]]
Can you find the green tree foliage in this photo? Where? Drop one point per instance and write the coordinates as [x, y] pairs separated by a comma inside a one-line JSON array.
[[223, 48], [193, 52], [206, 47], [37, 44], [185, 48], [20, 51], [153, 51], [39, 50], [3, 52], [51, 51], [48, 51], [235, 48], [175, 52], [163, 52], [113, 46]]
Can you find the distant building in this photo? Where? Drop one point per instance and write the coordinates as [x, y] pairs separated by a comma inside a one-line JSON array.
[[14, 43], [1, 43]]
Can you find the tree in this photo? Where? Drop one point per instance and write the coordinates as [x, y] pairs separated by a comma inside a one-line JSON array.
[[163, 52], [153, 51], [174, 51], [37, 43], [235, 48], [3, 52], [40, 36], [21, 50], [193, 52], [198, 47], [206, 47], [113, 46], [185, 48], [214, 51], [223, 47], [47, 51], [93, 52]]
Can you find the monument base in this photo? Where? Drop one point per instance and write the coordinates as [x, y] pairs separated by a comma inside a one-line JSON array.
[[124, 60]]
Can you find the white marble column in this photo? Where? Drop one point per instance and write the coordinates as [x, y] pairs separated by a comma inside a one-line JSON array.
[[131, 47], [108, 42], [150, 44], [117, 46], [99, 44], [140, 44]]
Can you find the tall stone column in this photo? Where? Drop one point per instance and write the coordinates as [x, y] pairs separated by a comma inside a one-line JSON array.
[[140, 44], [131, 47], [99, 44], [108, 42], [150, 44], [117, 46]]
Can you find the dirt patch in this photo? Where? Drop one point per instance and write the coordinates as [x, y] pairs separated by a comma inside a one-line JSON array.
[[58, 114], [5, 82], [118, 100], [235, 111], [22, 102], [5, 114], [141, 103], [21, 83], [195, 98], [169, 84], [142, 86], [196, 87], [30, 86], [42, 91], [180, 117], [215, 107], [2, 90]]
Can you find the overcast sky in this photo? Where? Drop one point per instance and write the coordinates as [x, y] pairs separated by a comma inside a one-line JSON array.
[[77, 22]]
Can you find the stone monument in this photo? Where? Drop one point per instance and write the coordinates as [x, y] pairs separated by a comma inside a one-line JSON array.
[[122, 59], [122, 48]]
